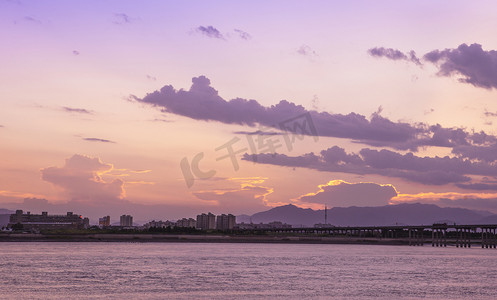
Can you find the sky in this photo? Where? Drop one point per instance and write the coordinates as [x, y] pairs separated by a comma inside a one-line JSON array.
[[167, 109]]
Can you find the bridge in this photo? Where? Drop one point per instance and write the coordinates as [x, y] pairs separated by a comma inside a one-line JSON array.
[[439, 235]]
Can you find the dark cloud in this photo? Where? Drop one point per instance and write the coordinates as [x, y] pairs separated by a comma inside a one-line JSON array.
[[426, 170], [1, 126], [306, 51], [202, 102], [476, 66], [490, 114], [75, 52], [394, 54], [386, 159], [344, 194], [487, 153], [210, 31], [77, 110], [81, 180], [243, 35], [98, 140]]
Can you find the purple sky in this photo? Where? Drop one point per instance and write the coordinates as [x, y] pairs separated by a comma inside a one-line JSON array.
[[167, 109]]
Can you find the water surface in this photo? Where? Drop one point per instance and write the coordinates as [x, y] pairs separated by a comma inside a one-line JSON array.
[[52, 270]]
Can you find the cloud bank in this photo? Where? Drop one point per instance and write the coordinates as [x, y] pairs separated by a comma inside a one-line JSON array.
[[425, 170], [80, 179], [202, 102]]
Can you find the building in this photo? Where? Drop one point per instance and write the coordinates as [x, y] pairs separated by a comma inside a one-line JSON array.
[[225, 222], [104, 221], [33, 222], [159, 224], [126, 221], [86, 223], [206, 221], [188, 223]]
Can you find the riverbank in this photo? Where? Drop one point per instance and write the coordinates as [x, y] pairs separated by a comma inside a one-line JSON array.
[[164, 238]]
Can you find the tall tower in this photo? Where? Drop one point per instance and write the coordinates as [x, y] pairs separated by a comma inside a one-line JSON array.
[[325, 215]]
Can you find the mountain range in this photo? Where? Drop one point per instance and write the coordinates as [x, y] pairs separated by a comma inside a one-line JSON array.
[[400, 214]]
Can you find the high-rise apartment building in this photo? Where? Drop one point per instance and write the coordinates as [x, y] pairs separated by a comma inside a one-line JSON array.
[[206, 221], [104, 221], [126, 221], [225, 222]]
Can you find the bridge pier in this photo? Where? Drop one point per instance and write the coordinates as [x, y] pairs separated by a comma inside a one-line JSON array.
[[463, 237], [488, 237], [416, 236], [439, 236]]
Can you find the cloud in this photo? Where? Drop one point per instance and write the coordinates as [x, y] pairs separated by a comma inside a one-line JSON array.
[[75, 52], [471, 63], [1, 126], [394, 54], [210, 32], [98, 140], [482, 153], [76, 110], [12, 195], [425, 170], [80, 179], [306, 51], [122, 18], [250, 197], [33, 19], [338, 193], [476, 66], [243, 35], [202, 102], [161, 120], [153, 78], [490, 114]]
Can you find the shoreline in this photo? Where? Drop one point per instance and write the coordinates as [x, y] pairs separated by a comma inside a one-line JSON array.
[[184, 238]]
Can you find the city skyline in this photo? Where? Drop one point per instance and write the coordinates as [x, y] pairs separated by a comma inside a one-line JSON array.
[[123, 108]]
